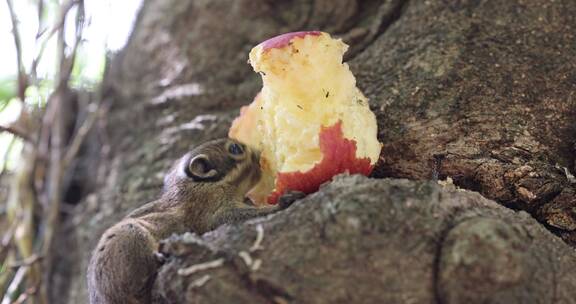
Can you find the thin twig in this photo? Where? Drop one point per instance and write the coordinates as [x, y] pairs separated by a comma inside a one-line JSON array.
[[40, 19], [7, 243], [18, 44], [39, 32], [15, 132], [64, 9], [80, 136], [21, 212], [26, 262], [56, 169], [67, 62], [55, 176], [6, 276], [25, 295], [14, 285]]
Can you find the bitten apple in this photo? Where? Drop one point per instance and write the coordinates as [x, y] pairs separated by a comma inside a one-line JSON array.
[[310, 121]]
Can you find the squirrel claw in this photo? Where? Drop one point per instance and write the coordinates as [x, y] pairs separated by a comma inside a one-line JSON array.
[[290, 197]]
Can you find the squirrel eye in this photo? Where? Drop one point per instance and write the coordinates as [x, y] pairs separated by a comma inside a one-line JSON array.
[[235, 149]]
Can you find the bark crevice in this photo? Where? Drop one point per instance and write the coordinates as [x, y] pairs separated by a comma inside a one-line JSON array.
[[388, 14]]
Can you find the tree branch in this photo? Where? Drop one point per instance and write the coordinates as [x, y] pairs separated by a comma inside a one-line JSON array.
[[15, 132], [56, 170], [22, 79], [64, 9], [80, 136], [6, 243]]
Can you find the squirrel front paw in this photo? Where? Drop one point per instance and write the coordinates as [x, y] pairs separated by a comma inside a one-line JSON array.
[[289, 197]]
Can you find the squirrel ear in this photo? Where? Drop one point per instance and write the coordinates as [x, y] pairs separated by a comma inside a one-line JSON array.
[[200, 168]]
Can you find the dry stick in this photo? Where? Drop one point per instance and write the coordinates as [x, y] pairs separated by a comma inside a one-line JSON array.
[[42, 148], [22, 204], [25, 295], [6, 276], [13, 287], [24, 242], [53, 130], [26, 262], [18, 44], [56, 172], [39, 32], [56, 160], [22, 85], [55, 124], [64, 9], [50, 113], [80, 136], [40, 19], [50, 143], [68, 64], [6, 243], [15, 132]]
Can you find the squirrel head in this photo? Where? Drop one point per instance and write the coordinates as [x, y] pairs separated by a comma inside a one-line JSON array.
[[215, 166]]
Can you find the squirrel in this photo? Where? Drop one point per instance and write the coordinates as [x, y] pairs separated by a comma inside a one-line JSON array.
[[204, 189]]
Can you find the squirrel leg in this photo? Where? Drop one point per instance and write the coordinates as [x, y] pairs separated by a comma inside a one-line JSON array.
[[123, 266]]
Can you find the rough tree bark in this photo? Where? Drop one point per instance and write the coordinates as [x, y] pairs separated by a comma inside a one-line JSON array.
[[483, 92], [365, 240]]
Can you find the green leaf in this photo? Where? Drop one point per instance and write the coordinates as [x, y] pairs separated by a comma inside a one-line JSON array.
[[7, 88], [7, 91]]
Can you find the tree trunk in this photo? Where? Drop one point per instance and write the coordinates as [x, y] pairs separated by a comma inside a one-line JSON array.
[[483, 92]]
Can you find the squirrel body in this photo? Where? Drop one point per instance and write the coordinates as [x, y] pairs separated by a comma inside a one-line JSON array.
[[204, 189]]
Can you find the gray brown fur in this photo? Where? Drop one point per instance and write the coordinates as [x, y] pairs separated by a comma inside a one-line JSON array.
[[124, 265]]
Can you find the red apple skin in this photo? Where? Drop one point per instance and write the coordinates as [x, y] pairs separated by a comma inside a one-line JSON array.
[[283, 40], [339, 156]]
